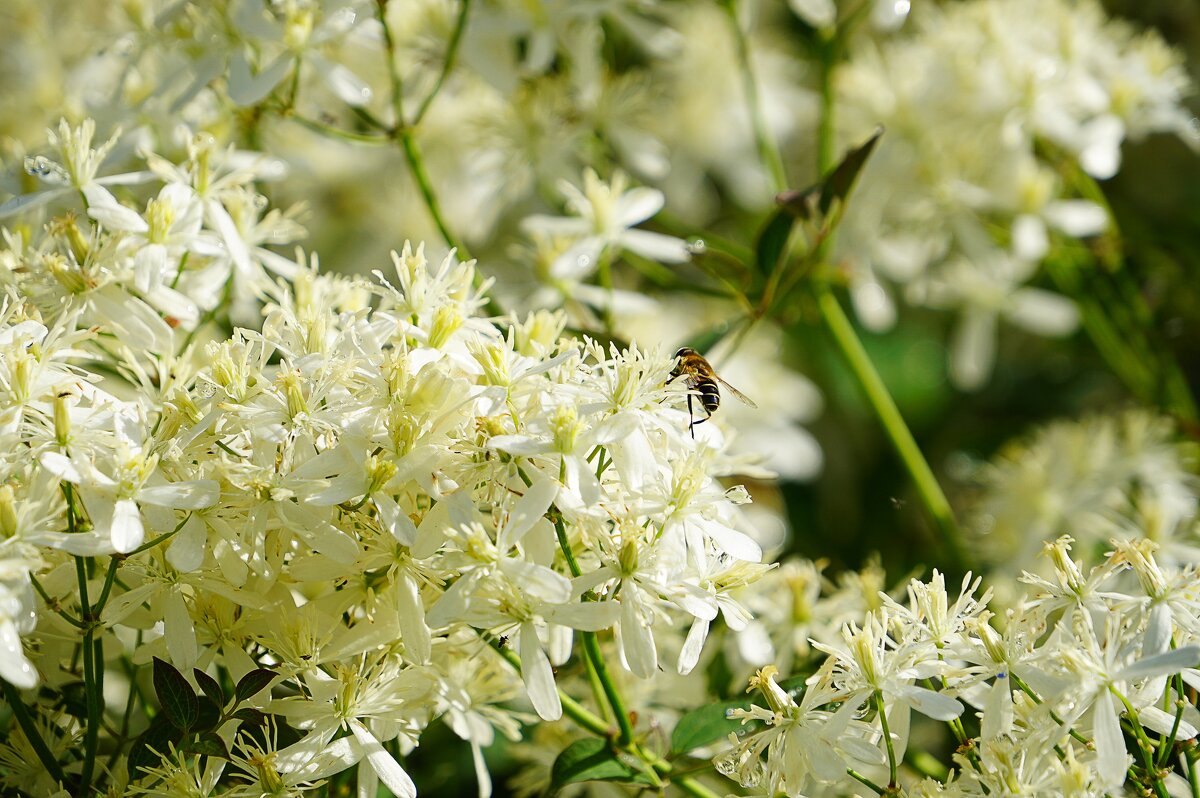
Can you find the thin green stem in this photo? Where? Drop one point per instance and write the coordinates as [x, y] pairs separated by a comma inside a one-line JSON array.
[[1145, 747], [768, 152], [338, 133], [591, 647], [29, 728], [1168, 742], [1190, 764], [460, 25], [1037, 699], [880, 400], [53, 604], [854, 774], [887, 738]]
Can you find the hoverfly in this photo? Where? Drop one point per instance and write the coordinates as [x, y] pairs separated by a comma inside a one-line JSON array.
[[702, 380]]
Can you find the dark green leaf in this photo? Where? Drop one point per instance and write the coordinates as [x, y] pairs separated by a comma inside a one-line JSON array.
[[209, 716], [840, 182], [705, 725], [253, 682], [772, 241], [179, 703], [157, 736], [207, 744], [591, 759], [816, 201], [210, 686], [250, 715]]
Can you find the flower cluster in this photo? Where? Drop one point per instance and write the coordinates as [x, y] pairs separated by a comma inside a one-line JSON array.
[[361, 498], [1049, 689], [987, 106], [1125, 475]]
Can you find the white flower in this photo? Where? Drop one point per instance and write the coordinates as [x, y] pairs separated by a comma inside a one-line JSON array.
[[604, 226]]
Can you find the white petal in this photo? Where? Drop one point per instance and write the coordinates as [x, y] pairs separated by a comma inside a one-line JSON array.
[[528, 509], [179, 632], [349, 87], [586, 616], [1168, 662], [1043, 312], [1077, 218], [579, 261], [973, 349], [539, 678], [246, 88], [186, 552], [932, 704], [655, 246], [126, 530], [1029, 238], [524, 445], [395, 520], [997, 709], [637, 205], [384, 765], [689, 655], [1112, 760], [414, 632], [637, 640], [60, 466], [15, 667], [194, 495], [818, 13], [537, 580]]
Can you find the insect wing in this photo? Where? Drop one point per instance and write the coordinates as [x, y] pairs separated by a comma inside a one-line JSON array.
[[737, 394]]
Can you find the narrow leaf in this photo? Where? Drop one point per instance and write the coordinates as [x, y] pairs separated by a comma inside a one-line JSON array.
[[772, 240], [592, 759], [705, 725], [253, 682], [179, 703], [841, 181]]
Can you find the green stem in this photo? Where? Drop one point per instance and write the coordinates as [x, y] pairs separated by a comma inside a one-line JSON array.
[[1145, 748], [338, 133], [29, 727], [1168, 742], [1037, 699], [855, 355], [591, 647], [1193, 781], [767, 151], [460, 25], [887, 738], [854, 774]]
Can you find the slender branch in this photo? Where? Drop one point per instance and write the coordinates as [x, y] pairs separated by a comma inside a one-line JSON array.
[[29, 727], [854, 774], [887, 738], [460, 25], [855, 355], [1145, 748], [767, 151]]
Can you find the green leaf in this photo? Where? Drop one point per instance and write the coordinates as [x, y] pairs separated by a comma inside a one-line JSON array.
[[179, 703], [837, 186], [157, 736], [253, 682], [816, 201], [705, 725], [209, 716], [207, 744], [252, 716], [210, 687], [592, 759], [772, 240]]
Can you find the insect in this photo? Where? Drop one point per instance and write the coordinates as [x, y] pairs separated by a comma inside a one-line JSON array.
[[702, 380]]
